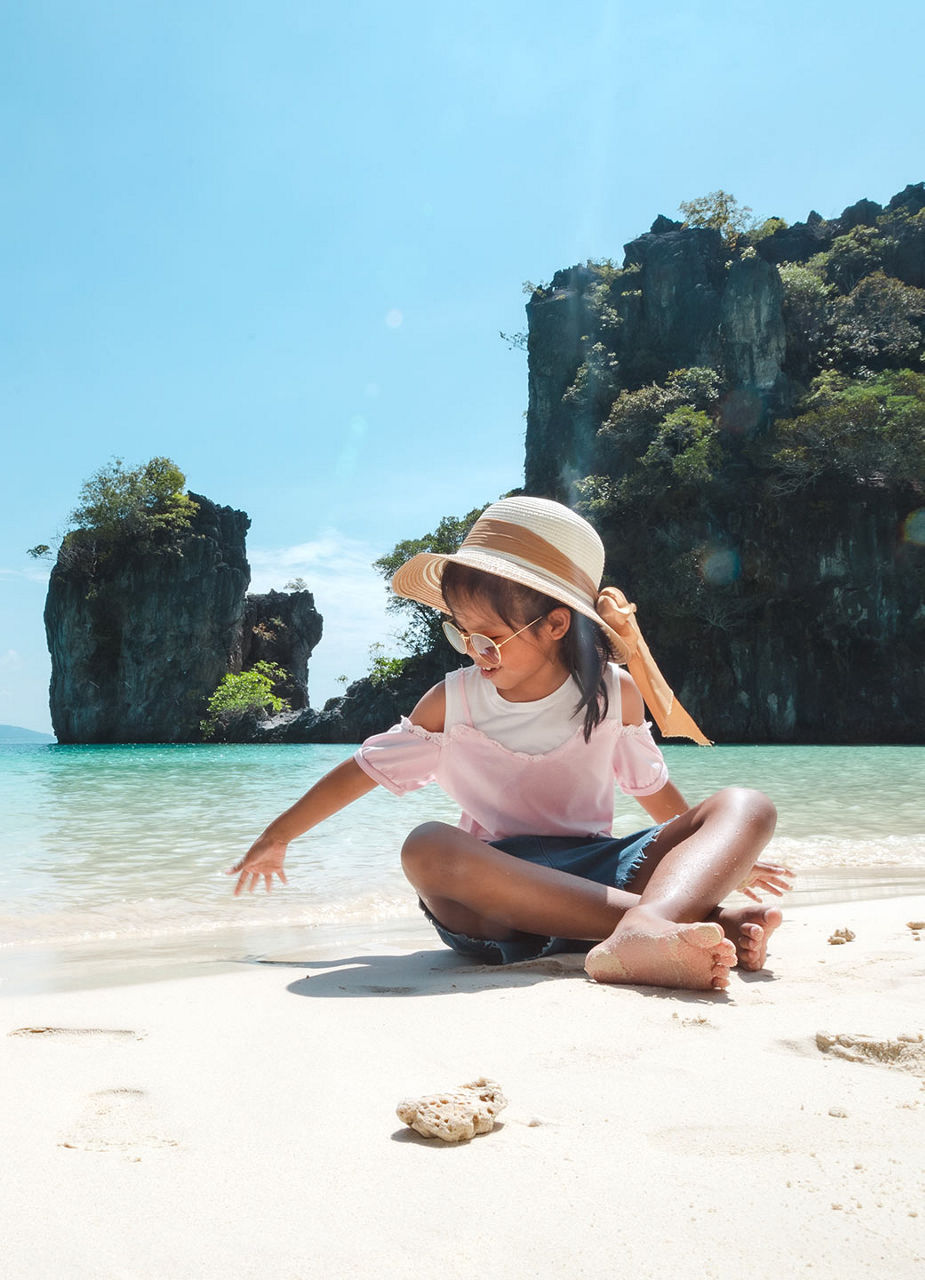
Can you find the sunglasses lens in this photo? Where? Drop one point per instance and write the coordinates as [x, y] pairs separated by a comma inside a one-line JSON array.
[[485, 649], [454, 635]]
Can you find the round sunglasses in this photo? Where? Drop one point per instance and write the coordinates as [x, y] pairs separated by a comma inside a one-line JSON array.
[[485, 649]]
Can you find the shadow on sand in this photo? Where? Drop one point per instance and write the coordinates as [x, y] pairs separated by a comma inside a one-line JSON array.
[[438, 972]]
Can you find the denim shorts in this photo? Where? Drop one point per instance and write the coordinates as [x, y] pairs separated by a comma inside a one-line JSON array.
[[605, 861]]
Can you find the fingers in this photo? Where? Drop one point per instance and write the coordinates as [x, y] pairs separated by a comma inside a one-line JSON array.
[[250, 878], [772, 872]]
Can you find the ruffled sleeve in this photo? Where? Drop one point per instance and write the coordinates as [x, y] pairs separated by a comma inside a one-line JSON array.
[[638, 764], [403, 759]]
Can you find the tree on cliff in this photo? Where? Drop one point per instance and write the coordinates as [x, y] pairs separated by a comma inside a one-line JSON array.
[[117, 502], [423, 633], [721, 212], [143, 507], [119, 505]]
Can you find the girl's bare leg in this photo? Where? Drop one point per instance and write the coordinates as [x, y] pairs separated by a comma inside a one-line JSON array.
[[651, 930], [675, 930]]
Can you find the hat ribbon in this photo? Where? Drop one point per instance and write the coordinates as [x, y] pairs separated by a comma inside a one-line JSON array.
[[619, 617], [530, 550]]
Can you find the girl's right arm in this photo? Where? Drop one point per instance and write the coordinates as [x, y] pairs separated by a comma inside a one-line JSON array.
[[344, 784]]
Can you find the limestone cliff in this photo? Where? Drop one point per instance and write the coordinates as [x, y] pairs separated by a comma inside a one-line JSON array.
[[140, 642], [141, 636], [282, 627], [680, 300], [685, 297]]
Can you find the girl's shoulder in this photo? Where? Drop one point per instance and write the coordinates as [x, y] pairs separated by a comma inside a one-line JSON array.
[[626, 704], [430, 712]]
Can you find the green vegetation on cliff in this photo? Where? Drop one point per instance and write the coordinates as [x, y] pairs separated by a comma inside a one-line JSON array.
[[142, 509], [244, 696]]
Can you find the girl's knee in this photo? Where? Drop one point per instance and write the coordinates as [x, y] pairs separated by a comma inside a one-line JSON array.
[[424, 850], [747, 805]]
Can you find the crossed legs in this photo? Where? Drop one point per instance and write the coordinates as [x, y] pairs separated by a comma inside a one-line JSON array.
[[665, 928]]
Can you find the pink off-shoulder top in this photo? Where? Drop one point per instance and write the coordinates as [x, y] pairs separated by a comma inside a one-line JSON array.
[[565, 789]]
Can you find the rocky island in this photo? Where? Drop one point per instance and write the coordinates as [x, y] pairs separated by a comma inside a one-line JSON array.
[[143, 625]]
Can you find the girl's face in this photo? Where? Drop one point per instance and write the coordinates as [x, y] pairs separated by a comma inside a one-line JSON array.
[[531, 664]]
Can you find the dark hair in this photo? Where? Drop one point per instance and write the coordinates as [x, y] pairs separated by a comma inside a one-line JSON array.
[[586, 649]]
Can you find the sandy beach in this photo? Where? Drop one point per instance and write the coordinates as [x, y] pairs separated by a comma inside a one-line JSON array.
[[243, 1124]]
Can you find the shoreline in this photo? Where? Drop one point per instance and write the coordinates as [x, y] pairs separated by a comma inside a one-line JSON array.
[[243, 1123], [73, 965]]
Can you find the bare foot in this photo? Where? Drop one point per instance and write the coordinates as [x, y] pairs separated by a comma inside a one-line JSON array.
[[748, 929], [649, 950]]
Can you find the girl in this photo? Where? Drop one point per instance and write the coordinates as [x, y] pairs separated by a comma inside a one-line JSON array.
[[528, 740]]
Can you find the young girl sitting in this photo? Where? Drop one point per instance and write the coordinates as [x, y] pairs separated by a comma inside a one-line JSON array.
[[528, 741]]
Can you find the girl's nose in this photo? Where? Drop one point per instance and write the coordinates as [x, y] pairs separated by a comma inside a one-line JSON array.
[[479, 659]]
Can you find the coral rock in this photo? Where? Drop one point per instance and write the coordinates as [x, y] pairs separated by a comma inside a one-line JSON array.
[[457, 1114], [841, 936]]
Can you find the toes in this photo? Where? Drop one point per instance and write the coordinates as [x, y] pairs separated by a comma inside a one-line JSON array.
[[751, 936], [719, 978], [705, 935]]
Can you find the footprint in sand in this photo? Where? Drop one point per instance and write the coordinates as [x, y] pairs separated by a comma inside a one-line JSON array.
[[904, 1052], [118, 1120]]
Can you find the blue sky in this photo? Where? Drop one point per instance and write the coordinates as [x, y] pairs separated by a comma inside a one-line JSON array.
[[277, 242]]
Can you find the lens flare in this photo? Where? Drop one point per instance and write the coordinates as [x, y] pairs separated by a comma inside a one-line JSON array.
[[914, 527], [721, 567], [394, 318]]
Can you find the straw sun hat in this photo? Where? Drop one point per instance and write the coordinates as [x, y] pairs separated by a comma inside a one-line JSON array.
[[542, 544], [533, 541]]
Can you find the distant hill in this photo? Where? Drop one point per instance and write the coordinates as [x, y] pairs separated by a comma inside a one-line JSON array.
[[12, 733]]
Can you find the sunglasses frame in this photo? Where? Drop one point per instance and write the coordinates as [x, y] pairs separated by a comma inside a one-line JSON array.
[[493, 656]]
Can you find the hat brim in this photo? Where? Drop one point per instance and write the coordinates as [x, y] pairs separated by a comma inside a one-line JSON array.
[[420, 579]]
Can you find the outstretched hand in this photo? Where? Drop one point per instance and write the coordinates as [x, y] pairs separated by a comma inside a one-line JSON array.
[[264, 858], [766, 877]]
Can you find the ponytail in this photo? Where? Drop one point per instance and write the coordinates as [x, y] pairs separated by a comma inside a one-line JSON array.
[[587, 651]]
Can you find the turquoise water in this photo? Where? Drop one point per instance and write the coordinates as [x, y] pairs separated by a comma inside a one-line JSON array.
[[125, 847]]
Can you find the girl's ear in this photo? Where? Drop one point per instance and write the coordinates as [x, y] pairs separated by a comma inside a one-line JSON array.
[[559, 621]]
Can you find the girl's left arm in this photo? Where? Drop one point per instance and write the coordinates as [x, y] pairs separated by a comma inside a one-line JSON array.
[[764, 877], [665, 804], [668, 802]]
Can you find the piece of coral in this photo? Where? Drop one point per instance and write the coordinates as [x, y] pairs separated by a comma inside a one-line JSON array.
[[456, 1114], [907, 1052], [841, 936]]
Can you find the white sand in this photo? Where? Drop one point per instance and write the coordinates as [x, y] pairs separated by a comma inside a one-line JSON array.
[[246, 1126]]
